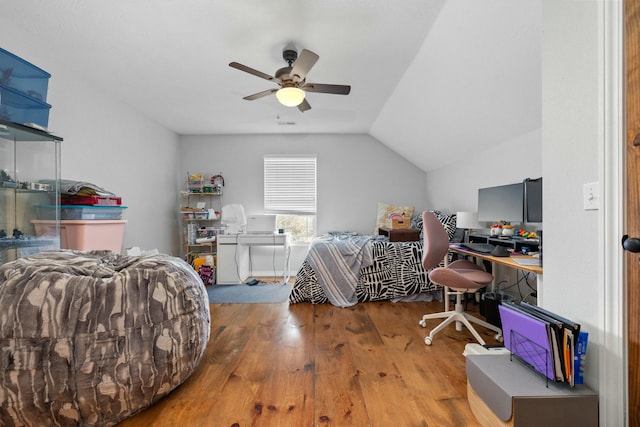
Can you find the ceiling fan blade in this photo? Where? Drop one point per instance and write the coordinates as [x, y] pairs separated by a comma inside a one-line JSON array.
[[304, 106], [324, 88], [260, 94], [250, 70], [303, 64]]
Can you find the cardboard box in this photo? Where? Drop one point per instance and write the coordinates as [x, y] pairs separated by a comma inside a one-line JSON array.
[[400, 223]]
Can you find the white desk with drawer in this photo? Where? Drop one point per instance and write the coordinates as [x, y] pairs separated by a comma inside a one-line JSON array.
[[234, 255]]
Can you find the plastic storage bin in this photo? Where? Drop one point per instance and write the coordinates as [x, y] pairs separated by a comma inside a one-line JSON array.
[[66, 199], [19, 108], [85, 235], [23, 76], [82, 212]]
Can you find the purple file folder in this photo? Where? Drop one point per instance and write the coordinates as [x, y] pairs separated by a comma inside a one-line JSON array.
[[527, 338]]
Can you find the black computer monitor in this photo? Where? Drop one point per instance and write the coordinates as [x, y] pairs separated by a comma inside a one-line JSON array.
[[533, 200], [504, 202]]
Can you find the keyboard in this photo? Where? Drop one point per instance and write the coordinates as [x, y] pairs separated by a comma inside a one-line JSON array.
[[484, 248]]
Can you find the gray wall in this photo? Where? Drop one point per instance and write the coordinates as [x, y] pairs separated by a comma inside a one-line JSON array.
[[579, 40], [355, 172], [456, 186], [110, 144]]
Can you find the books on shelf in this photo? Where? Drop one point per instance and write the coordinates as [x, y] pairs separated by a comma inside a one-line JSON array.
[[551, 344]]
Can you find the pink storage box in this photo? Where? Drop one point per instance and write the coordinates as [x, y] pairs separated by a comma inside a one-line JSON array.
[[85, 235]]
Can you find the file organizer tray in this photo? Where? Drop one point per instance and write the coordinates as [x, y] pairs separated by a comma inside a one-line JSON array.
[[531, 354], [528, 339]]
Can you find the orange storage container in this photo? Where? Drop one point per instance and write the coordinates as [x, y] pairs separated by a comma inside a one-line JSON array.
[[85, 235]]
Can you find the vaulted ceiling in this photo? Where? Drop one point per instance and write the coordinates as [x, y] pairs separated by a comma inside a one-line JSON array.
[[427, 77]]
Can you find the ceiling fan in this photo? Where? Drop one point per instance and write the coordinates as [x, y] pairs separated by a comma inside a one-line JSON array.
[[292, 80]]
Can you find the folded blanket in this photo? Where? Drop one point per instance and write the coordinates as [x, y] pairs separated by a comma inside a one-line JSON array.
[[337, 260], [79, 188]]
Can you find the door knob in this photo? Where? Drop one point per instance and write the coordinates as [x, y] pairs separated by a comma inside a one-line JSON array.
[[631, 244]]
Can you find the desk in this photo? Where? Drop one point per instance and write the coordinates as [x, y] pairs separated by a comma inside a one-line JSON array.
[[234, 256], [507, 261], [491, 312]]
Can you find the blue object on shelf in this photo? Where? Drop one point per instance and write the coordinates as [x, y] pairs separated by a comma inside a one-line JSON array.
[[23, 76], [80, 212], [19, 108]]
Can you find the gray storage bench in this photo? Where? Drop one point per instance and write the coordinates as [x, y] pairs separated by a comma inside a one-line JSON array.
[[505, 392]]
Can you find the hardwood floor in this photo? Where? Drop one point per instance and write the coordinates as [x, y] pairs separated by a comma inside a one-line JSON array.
[[318, 365]]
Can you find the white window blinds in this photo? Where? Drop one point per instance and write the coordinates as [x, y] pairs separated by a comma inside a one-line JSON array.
[[290, 185]]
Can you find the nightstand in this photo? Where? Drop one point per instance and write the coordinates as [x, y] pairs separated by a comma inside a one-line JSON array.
[[400, 234]]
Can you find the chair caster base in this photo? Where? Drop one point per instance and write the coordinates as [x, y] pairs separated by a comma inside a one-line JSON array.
[[427, 340], [423, 323], [499, 337]]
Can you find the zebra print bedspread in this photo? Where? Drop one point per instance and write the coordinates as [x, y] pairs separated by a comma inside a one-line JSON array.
[[92, 338], [396, 272]]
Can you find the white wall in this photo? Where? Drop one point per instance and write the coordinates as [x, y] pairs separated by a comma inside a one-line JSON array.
[[455, 187], [580, 134], [572, 115], [109, 144], [355, 172], [571, 146]]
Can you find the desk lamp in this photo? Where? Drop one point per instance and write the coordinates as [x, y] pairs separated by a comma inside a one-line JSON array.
[[467, 221]]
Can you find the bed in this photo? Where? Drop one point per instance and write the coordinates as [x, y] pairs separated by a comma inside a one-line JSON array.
[[346, 268]]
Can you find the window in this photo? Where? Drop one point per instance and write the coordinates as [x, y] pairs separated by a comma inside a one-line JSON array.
[[290, 193]]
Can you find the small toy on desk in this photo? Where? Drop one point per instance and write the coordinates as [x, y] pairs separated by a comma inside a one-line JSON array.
[[527, 234], [508, 230]]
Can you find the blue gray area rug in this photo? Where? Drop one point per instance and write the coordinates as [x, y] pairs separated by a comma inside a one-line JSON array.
[[245, 294]]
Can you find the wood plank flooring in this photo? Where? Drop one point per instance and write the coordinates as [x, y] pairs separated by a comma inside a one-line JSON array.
[[297, 365]]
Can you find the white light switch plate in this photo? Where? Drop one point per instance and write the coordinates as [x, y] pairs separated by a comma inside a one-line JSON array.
[[591, 196]]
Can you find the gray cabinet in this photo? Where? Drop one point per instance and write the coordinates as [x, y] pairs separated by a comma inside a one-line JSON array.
[[29, 181]]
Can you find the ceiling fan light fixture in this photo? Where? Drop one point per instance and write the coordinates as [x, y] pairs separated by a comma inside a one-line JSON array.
[[290, 96]]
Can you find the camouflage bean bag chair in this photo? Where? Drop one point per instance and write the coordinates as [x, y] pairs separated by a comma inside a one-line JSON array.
[[92, 338]]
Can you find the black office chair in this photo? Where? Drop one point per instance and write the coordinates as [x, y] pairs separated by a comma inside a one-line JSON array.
[[460, 276]]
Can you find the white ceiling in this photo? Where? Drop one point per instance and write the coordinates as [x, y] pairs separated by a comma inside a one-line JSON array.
[[422, 72]]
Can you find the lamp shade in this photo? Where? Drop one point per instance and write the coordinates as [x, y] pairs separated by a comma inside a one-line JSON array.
[[290, 96], [468, 220]]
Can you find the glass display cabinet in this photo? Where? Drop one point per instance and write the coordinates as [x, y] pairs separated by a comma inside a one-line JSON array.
[[29, 181]]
